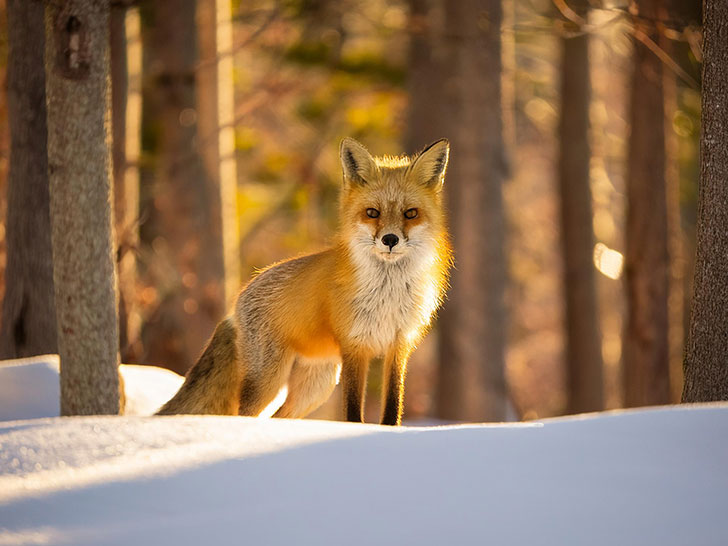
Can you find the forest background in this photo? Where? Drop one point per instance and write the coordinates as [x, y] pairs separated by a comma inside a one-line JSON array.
[[572, 186]]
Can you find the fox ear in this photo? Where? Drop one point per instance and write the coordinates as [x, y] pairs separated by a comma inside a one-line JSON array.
[[429, 166], [357, 163]]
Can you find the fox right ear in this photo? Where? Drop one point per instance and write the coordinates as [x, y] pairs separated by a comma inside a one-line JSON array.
[[357, 163], [431, 163]]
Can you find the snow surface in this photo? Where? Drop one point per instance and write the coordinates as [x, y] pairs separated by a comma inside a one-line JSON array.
[[29, 388], [657, 476], [644, 477]]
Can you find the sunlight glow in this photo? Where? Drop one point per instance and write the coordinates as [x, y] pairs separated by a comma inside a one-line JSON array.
[[277, 402], [430, 303], [609, 262]]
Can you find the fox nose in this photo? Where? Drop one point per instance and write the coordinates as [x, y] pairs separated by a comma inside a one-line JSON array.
[[390, 239]]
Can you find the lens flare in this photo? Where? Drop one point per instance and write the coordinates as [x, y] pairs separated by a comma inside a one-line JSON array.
[[609, 262]]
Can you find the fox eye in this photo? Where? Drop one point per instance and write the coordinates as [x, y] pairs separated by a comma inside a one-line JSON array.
[[410, 214], [373, 213]]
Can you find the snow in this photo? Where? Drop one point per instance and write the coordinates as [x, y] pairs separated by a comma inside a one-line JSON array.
[[654, 476], [29, 388], [147, 387]]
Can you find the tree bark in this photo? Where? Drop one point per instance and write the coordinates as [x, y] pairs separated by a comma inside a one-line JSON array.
[[647, 264], [583, 339], [28, 321], [706, 355], [472, 326], [126, 123], [79, 167], [184, 225]]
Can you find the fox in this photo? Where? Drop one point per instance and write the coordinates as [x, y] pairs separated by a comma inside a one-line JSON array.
[[313, 321]]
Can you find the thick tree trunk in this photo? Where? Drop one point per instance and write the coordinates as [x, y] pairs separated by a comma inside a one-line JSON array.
[[29, 316], [79, 166], [126, 76], [472, 327], [647, 265], [706, 356], [583, 340], [216, 118], [184, 224]]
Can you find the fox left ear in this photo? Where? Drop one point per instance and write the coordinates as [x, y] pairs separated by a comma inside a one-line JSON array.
[[430, 165]]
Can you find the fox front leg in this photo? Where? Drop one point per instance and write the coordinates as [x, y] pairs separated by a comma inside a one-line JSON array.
[[354, 368], [395, 368]]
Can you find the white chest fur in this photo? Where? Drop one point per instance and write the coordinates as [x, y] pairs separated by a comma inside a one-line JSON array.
[[391, 299]]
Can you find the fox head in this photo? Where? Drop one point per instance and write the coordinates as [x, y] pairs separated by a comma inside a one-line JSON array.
[[391, 207]]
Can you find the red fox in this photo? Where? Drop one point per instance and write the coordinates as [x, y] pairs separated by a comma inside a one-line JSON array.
[[305, 321]]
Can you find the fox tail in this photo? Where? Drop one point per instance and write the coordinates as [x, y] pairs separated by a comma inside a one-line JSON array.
[[212, 385]]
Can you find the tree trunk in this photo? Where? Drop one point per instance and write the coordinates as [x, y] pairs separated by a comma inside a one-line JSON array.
[[472, 326], [28, 321], [79, 167], [216, 119], [425, 116], [126, 53], [647, 265], [706, 356], [583, 340], [184, 223]]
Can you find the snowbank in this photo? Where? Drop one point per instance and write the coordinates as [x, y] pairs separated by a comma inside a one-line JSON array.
[[644, 477], [29, 388]]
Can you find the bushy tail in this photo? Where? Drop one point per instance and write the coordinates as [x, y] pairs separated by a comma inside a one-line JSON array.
[[213, 384]]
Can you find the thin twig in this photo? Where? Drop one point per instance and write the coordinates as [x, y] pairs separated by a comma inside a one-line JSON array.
[[639, 34], [569, 13], [661, 54]]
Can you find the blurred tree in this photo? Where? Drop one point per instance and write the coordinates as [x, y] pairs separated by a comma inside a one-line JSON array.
[[472, 328], [29, 316], [647, 263], [79, 156], [706, 365], [184, 226], [683, 20], [216, 130], [424, 119], [686, 49], [126, 114], [583, 340]]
